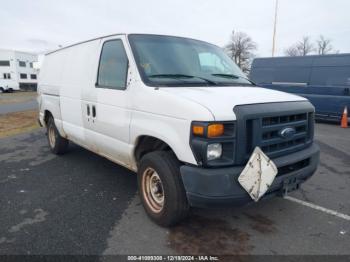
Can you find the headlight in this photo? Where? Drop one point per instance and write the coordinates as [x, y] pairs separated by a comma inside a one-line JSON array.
[[213, 143], [214, 151]]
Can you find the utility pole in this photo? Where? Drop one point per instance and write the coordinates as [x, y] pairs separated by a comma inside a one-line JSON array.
[[274, 30]]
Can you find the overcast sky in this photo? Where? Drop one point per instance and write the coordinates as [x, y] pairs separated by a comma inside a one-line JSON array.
[[40, 25]]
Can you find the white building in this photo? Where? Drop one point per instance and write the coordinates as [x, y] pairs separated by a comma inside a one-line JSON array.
[[18, 70]]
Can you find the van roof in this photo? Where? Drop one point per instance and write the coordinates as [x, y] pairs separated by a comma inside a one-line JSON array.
[[96, 38], [303, 57], [309, 60], [82, 42]]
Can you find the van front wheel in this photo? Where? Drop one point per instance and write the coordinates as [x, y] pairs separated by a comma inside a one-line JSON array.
[[161, 189], [57, 143]]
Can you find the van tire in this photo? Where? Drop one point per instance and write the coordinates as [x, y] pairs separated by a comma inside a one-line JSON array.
[[2, 90], [57, 143], [175, 206]]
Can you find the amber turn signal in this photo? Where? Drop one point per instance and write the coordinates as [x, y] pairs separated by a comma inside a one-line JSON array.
[[215, 130], [198, 130]]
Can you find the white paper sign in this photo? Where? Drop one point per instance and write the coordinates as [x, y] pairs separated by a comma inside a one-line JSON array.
[[258, 175]]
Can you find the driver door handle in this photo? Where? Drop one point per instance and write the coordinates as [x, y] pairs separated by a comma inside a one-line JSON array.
[[93, 113]]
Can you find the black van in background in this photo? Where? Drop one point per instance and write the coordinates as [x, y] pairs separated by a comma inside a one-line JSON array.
[[324, 80]]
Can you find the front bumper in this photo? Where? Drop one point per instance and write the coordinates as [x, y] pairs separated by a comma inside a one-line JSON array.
[[208, 187]]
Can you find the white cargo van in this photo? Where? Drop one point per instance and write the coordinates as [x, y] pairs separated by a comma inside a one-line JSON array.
[[182, 115]]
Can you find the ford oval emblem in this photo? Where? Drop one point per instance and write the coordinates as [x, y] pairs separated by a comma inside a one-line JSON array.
[[287, 132]]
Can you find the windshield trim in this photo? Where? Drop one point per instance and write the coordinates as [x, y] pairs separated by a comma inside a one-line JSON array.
[[146, 80]]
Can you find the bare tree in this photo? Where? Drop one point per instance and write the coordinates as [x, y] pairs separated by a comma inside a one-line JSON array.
[[292, 51], [301, 48], [241, 49], [324, 45]]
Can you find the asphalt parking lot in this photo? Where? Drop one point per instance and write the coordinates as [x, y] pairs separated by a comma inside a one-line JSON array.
[[18, 101], [80, 203]]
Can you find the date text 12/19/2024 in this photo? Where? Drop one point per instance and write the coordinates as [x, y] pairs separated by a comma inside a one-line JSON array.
[[173, 258]]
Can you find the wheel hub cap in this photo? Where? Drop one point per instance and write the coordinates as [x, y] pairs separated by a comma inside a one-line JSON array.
[[52, 137], [152, 188]]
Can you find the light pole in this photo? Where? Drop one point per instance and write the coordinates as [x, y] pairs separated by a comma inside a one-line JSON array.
[[274, 30]]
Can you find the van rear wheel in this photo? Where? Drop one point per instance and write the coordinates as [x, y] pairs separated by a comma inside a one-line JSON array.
[[161, 189], [57, 143]]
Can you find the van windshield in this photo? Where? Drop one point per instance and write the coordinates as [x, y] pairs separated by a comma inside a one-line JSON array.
[[177, 61]]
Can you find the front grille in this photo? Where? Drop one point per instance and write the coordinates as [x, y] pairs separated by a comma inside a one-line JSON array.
[[264, 125], [265, 132], [271, 141]]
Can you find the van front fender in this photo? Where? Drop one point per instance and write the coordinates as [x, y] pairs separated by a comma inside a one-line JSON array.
[[172, 131]]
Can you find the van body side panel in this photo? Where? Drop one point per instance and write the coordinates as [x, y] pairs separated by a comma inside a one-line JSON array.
[[51, 103], [174, 132], [109, 129], [112, 122], [50, 75], [324, 80], [49, 89], [157, 113], [77, 74]]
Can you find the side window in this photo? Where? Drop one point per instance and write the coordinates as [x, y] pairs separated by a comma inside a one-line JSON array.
[[113, 67]]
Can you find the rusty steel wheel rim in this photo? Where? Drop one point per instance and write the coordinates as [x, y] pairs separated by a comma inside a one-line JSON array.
[[152, 189], [52, 136]]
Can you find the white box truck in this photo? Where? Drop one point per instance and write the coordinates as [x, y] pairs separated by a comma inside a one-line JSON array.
[[7, 84], [17, 70], [180, 114]]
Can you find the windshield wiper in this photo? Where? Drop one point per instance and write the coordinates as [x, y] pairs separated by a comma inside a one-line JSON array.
[[226, 75], [179, 76], [232, 76]]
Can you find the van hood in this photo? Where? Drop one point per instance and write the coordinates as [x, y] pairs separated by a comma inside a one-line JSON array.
[[220, 101]]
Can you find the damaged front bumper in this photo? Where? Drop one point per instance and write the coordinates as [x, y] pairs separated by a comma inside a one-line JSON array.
[[211, 187]]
